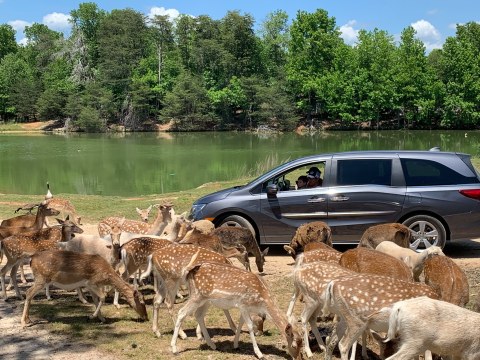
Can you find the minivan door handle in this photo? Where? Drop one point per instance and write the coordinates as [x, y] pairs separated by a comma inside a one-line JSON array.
[[315, 199], [339, 198]]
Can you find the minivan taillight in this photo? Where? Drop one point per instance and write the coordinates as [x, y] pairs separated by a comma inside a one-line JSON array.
[[474, 193]]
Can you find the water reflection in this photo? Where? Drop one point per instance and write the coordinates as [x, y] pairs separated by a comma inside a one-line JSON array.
[[135, 164]]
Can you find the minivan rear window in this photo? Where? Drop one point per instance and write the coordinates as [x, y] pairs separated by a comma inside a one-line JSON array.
[[426, 172], [364, 172]]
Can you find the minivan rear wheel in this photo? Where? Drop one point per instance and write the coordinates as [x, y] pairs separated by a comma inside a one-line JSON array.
[[237, 220], [427, 231]]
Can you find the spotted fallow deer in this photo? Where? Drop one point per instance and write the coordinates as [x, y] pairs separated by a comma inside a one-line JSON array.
[[134, 255], [162, 219], [69, 270], [18, 247], [363, 302], [144, 213], [233, 235], [310, 280], [168, 264], [66, 208], [229, 287]]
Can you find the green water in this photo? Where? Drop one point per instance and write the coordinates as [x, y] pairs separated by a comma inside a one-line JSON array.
[[149, 163]]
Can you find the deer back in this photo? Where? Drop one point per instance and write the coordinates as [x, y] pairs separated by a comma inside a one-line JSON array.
[[320, 252], [315, 231], [361, 295], [447, 279], [394, 232], [365, 260], [24, 220], [139, 249], [172, 259]]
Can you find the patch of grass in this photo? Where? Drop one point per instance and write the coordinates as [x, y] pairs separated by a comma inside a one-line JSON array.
[[93, 208], [10, 126]]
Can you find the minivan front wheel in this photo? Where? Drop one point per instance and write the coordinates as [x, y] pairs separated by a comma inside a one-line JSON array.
[[427, 231], [237, 220]]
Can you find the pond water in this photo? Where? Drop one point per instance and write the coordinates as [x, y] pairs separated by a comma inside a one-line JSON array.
[[135, 164]]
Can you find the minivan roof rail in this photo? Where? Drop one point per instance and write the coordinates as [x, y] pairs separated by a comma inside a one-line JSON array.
[[436, 148]]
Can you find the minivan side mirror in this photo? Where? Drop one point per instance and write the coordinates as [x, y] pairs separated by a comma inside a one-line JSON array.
[[272, 191]]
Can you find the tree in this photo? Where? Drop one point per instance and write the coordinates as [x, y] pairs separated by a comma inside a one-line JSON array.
[[7, 40], [274, 40], [188, 105], [376, 88], [83, 48], [461, 67], [121, 40], [412, 75], [314, 39], [163, 36]]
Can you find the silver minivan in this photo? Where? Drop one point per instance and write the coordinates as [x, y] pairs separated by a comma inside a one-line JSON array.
[[436, 194]]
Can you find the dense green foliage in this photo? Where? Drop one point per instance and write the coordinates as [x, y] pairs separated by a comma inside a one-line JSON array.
[[122, 68]]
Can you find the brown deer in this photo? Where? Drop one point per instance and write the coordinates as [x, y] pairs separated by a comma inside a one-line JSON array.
[[362, 302], [395, 232], [43, 211], [315, 231], [369, 261], [139, 227], [233, 235], [228, 287], [21, 220], [447, 279], [18, 247], [69, 270]]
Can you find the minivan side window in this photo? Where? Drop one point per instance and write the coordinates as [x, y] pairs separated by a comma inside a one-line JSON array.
[[426, 172], [364, 172]]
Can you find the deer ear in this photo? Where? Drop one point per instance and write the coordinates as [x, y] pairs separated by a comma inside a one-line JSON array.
[[289, 330], [60, 221], [67, 218], [265, 252], [289, 250], [138, 211]]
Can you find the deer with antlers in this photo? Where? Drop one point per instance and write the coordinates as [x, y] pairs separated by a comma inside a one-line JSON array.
[[229, 287], [69, 270], [18, 247], [43, 211]]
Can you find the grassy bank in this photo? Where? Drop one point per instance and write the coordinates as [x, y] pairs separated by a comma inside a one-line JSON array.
[[93, 208]]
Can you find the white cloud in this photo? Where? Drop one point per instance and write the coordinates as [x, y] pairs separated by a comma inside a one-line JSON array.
[[19, 25], [429, 35], [171, 13], [23, 41], [348, 33], [57, 21]]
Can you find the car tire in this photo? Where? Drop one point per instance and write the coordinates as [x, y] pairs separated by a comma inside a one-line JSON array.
[[237, 220], [427, 231]]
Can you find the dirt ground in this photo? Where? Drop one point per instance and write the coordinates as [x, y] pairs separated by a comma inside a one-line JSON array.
[[38, 343]]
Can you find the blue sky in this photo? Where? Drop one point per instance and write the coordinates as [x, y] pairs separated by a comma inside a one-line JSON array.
[[434, 20]]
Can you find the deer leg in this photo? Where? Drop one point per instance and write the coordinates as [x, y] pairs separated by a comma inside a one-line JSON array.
[[291, 305], [8, 266], [248, 321], [200, 316], [98, 298], [309, 315], [36, 287], [22, 275], [354, 329], [81, 296], [230, 321], [13, 278], [238, 332], [190, 307], [171, 290]]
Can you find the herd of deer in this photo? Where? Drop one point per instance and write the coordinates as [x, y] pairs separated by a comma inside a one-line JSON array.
[[372, 289]]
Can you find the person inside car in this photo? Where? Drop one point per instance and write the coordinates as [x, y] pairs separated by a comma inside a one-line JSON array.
[[314, 179], [302, 182]]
